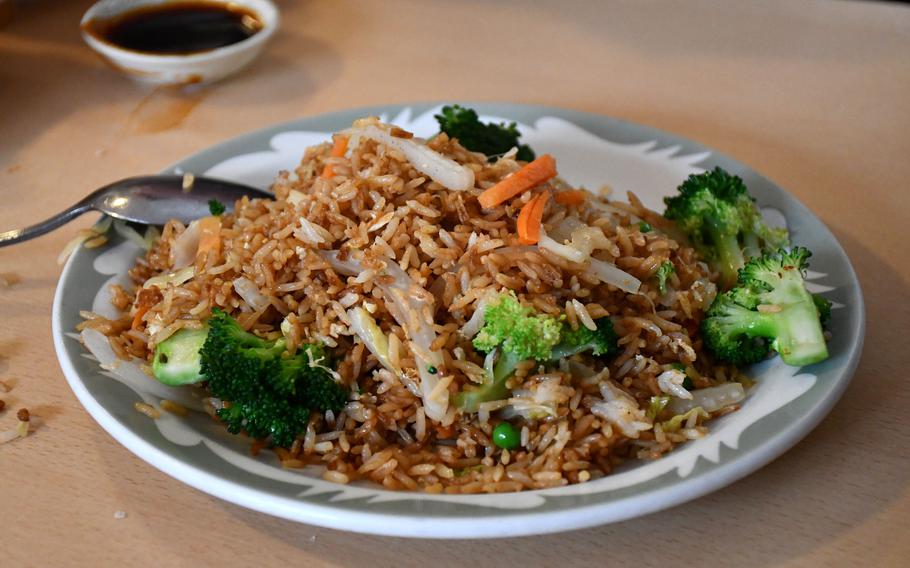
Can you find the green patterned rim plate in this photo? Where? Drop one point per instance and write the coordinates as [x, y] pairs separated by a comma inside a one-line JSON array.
[[592, 151]]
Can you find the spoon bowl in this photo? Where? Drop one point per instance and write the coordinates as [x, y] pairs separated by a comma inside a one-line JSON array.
[[149, 200]]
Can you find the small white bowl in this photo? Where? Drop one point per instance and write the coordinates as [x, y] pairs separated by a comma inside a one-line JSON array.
[[204, 67]]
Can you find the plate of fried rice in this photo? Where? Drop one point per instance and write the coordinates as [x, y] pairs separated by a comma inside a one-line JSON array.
[[463, 321]]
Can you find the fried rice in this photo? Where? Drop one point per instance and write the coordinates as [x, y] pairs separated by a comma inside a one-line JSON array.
[[297, 266]]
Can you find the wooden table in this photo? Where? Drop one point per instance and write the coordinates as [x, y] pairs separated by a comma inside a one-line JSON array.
[[815, 95]]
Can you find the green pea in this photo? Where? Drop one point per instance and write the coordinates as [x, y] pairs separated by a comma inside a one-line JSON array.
[[506, 436], [645, 227]]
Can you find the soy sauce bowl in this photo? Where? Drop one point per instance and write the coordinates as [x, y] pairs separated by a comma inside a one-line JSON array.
[[178, 69]]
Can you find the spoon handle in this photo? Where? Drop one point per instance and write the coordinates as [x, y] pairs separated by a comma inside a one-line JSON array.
[[38, 229]]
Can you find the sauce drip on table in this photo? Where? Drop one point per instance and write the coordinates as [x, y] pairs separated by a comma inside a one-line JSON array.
[[176, 28]]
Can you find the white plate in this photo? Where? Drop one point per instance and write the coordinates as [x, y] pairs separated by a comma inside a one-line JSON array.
[[592, 150]]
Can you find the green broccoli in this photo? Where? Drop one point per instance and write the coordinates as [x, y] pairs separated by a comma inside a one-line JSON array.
[[716, 212], [517, 329], [663, 273], [216, 207], [768, 309], [824, 309], [521, 334], [490, 139], [600, 341], [267, 391]]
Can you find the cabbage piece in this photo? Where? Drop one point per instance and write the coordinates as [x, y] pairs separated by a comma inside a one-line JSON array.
[[658, 403], [144, 242], [250, 293], [185, 246], [99, 229], [366, 328], [539, 401], [176, 278], [671, 382], [586, 240], [710, 399], [412, 307], [675, 423], [621, 411], [132, 373]]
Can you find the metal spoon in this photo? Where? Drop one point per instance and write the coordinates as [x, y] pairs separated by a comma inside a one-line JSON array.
[[150, 200]]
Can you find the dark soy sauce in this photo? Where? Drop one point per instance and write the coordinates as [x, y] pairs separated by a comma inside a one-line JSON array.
[[175, 28]]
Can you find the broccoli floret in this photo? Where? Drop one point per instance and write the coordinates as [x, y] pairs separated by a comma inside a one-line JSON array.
[[716, 212], [216, 207], [824, 309], [490, 139], [600, 341], [267, 391], [768, 309], [517, 329], [521, 334], [664, 272]]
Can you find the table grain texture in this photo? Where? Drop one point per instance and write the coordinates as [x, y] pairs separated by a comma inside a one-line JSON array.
[[816, 95]]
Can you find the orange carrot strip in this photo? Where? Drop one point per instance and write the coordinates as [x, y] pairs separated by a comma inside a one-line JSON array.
[[339, 147], [531, 175], [531, 218], [137, 319], [571, 197], [523, 218]]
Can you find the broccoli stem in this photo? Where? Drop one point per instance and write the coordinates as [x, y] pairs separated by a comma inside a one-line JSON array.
[[469, 400], [565, 350], [751, 246], [729, 256], [800, 339]]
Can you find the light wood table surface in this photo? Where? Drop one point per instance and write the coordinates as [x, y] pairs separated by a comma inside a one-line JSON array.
[[816, 95]]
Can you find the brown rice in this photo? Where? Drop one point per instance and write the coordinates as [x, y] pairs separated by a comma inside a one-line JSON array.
[[379, 206]]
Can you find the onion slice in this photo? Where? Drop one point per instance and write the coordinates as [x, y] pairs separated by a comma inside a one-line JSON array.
[[609, 274], [584, 241], [565, 251], [444, 171]]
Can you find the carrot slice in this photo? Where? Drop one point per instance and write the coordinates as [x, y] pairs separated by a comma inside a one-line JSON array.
[[531, 175], [209, 236], [571, 197], [339, 147], [530, 219], [137, 319]]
